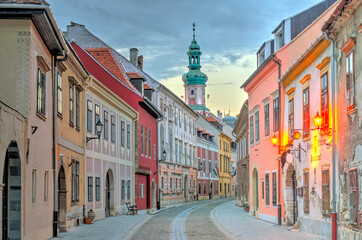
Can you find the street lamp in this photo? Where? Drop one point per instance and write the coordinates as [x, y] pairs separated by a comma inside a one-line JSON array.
[[317, 120], [163, 159], [99, 126]]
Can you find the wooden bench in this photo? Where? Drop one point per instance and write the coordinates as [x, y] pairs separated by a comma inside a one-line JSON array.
[[131, 209]]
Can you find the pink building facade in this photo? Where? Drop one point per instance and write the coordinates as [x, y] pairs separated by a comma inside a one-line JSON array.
[[266, 104]]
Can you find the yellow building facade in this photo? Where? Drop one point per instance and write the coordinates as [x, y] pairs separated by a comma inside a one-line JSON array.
[[70, 142], [224, 165]]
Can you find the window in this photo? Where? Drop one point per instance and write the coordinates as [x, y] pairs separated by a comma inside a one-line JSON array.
[[89, 116], [146, 141], [306, 112], [291, 117], [251, 130], [262, 189], [185, 119], [180, 151], [105, 119], [128, 136], [171, 147], [324, 101], [176, 116], [98, 188], [41, 92], [350, 80], [257, 126], [96, 117], [71, 104], [59, 93], [75, 182], [90, 189], [77, 109], [200, 187], [142, 191], [325, 192], [176, 183], [176, 151], [306, 190], [113, 128], [180, 116], [122, 134], [123, 186], [33, 184], [220, 187], [274, 182], [161, 182], [170, 183], [162, 141], [267, 119], [353, 197], [279, 43], [204, 188], [46, 177], [228, 187], [276, 114], [142, 148], [267, 189], [128, 189], [150, 144]]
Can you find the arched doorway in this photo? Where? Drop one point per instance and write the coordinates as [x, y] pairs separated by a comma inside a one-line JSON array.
[[225, 189], [186, 189], [255, 191], [211, 191], [153, 195], [62, 202], [109, 194], [291, 203], [12, 193]]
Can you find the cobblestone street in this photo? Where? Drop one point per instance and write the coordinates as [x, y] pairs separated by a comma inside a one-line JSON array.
[[215, 219]]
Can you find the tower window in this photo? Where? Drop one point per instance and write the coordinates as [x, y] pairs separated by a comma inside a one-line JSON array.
[[192, 92]]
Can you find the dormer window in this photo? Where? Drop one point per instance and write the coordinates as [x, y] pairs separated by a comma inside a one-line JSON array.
[[279, 39], [261, 57]]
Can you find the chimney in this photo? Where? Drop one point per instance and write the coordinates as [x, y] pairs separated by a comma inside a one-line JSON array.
[[140, 62], [133, 53]]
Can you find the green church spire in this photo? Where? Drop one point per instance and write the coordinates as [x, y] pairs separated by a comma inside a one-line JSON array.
[[195, 80], [194, 75]]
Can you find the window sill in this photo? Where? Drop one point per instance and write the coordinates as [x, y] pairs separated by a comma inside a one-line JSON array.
[[78, 129], [71, 124], [352, 109], [60, 116], [41, 116], [306, 138]]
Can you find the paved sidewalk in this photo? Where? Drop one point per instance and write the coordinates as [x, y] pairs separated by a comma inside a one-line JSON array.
[[116, 228], [235, 223]]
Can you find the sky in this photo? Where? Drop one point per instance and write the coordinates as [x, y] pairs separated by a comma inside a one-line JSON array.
[[229, 33]]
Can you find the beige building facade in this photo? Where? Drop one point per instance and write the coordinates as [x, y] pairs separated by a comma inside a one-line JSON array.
[[27, 75], [241, 132]]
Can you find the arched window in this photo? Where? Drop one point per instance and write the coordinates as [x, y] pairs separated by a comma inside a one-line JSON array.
[[142, 139], [192, 92]]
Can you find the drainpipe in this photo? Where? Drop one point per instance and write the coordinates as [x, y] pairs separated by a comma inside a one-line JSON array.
[[158, 160], [279, 137], [334, 204], [54, 153]]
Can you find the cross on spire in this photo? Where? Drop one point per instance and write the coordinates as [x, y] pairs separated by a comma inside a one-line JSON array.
[[193, 29]]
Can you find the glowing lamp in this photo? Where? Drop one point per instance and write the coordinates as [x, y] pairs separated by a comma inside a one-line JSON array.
[[274, 140], [317, 120], [296, 135]]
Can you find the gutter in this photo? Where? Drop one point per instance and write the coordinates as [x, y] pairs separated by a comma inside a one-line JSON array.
[[279, 137], [54, 135], [334, 16], [334, 164]]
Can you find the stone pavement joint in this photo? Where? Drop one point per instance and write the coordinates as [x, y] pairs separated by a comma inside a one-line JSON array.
[[178, 224], [235, 223]]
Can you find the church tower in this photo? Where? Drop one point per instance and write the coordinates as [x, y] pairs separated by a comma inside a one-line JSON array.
[[195, 80]]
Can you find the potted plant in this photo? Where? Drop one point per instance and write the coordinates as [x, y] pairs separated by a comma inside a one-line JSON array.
[[246, 207], [90, 217]]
